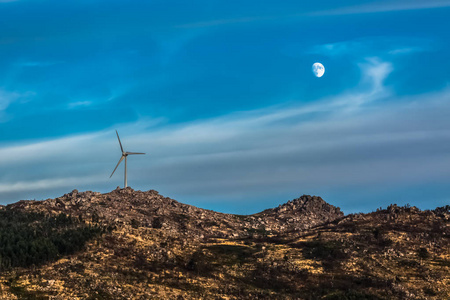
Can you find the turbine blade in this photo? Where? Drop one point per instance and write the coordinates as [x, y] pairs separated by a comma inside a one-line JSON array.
[[121, 148], [120, 160], [133, 153]]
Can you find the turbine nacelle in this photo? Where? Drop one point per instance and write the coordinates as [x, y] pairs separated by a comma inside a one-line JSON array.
[[124, 155]]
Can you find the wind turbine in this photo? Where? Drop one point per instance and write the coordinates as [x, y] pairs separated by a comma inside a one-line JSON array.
[[124, 155]]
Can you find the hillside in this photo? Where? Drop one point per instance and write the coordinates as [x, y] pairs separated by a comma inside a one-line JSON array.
[[130, 244]]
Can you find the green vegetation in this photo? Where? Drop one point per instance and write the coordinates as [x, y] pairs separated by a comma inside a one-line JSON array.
[[29, 238]]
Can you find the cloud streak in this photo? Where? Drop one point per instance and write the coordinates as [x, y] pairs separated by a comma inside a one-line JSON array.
[[220, 22], [45, 184], [6, 98], [369, 8], [374, 46], [384, 6]]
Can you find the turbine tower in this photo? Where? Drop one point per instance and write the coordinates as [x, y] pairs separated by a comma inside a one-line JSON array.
[[124, 155]]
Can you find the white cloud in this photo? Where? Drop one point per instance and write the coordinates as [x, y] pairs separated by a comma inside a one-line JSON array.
[[375, 72], [405, 50], [338, 48], [381, 45], [47, 184], [385, 6], [6, 98], [373, 7], [79, 104], [219, 22]]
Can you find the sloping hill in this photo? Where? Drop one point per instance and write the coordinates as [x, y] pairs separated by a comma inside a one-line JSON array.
[[153, 247], [151, 210]]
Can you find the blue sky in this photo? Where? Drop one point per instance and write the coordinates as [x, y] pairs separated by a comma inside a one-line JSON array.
[[222, 97]]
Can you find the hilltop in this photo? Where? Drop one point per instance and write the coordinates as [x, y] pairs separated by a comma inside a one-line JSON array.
[[130, 244], [152, 210]]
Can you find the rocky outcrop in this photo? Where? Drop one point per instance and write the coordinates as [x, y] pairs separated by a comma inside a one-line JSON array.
[[443, 212], [301, 213]]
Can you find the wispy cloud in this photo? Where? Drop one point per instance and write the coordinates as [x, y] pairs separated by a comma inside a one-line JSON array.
[[375, 72], [339, 48], [405, 50], [219, 22], [376, 46], [373, 7], [79, 104], [384, 6], [6, 98], [47, 184]]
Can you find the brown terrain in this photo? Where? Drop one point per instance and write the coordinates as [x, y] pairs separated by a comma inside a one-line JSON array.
[[153, 247]]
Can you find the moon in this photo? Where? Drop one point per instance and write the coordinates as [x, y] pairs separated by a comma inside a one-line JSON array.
[[318, 69]]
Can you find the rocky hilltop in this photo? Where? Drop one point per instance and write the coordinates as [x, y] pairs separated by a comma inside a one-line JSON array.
[[129, 244], [151, 210], [299, 214]]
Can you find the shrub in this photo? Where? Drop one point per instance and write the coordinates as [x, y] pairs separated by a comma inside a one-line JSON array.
[[135, 223], [423, 253], [29, 238]]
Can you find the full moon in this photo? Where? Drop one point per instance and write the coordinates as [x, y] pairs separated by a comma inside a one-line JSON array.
[[318, 69]]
